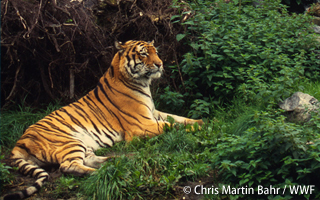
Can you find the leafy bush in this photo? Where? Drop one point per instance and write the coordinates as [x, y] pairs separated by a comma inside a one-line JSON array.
[[273, 152], [260, 52], [170, 101], [199, 108]]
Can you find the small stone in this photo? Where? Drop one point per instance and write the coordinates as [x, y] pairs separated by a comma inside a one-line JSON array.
[[299, 106]]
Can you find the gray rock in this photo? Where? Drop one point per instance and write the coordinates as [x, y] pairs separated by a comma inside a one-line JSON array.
[[316, 29], [299, 107]]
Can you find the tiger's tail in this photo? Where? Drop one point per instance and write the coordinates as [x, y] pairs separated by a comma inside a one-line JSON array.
[[34, 171]]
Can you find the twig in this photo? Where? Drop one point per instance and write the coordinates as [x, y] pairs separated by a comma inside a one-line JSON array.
[[44, 81], [15, 83], [23, 21], [37, 19], [181, 78], [5, 12], [49, 71]]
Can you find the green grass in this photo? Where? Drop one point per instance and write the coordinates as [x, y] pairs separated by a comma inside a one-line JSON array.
[[237, 116], [312, 88]]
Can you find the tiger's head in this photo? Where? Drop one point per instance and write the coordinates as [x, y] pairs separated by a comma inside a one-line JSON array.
[[138, 61]]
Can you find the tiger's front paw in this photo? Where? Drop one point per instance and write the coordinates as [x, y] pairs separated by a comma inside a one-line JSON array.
[[193, 121], [200, 122], [194, 127]]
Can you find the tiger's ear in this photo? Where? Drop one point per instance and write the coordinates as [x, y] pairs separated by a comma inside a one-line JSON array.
[[118, 45], [151, 43]]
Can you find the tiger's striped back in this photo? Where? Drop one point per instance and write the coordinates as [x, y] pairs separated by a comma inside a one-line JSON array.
[[119, 108]]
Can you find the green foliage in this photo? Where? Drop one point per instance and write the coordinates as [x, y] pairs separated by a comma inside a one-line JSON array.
[[67, 187], [69, 183], [260, 52], [199, 108], [5, 175], [272, 152], [171, 101]]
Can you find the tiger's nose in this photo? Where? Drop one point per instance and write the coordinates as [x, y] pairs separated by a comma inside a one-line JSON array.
[[158, 64]]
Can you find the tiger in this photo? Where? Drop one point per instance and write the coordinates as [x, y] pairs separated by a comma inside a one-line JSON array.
[[118, 109]]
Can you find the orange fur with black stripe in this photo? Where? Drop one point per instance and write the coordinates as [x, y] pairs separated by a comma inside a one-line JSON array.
[[119, 108]]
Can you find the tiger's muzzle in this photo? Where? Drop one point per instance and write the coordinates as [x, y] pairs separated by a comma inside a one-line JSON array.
[[155, 71]]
